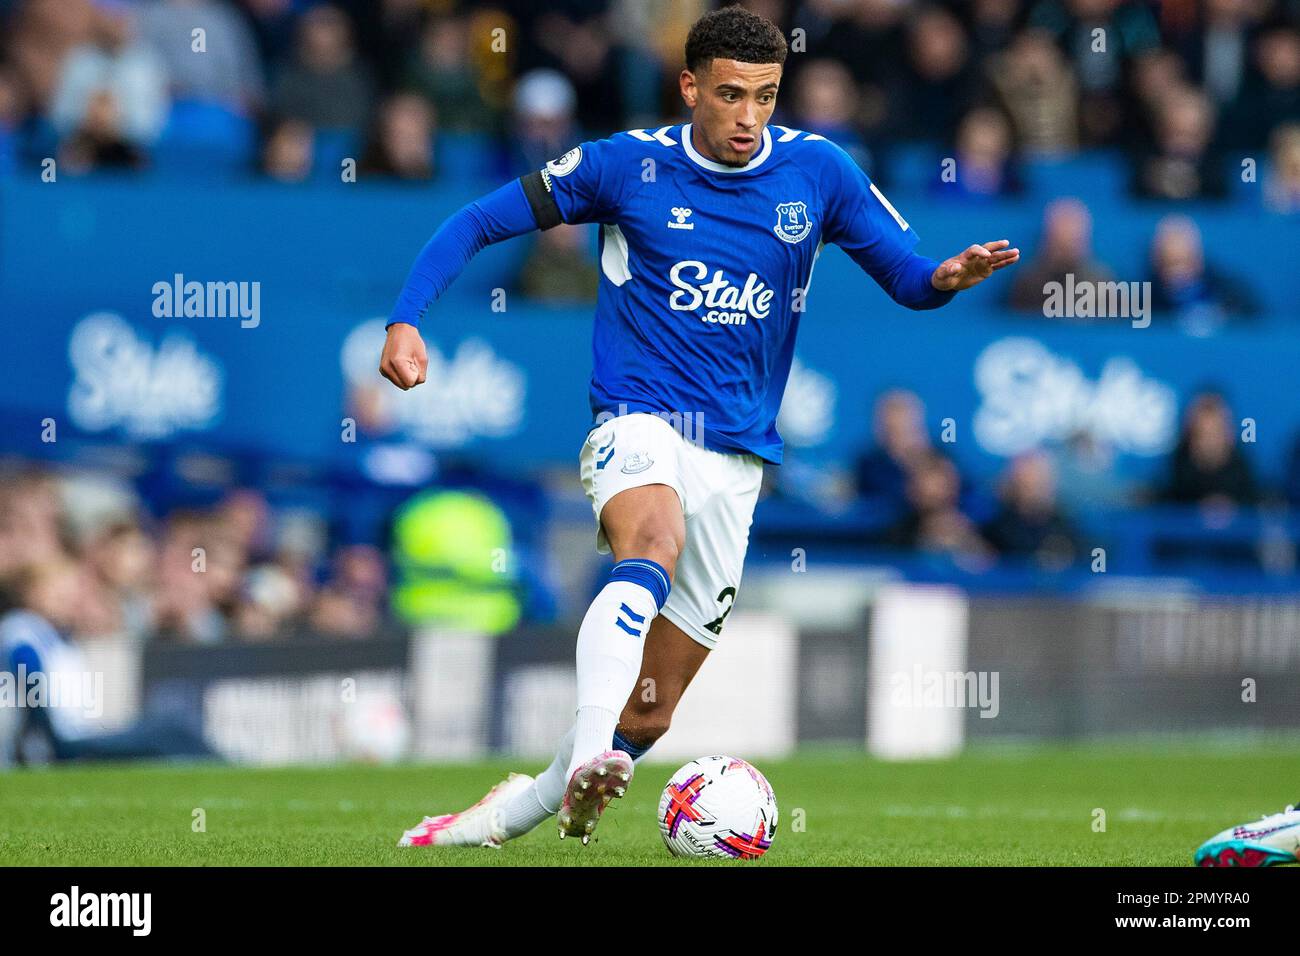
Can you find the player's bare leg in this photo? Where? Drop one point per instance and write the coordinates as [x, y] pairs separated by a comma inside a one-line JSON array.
[[669, 664], [646, 531]]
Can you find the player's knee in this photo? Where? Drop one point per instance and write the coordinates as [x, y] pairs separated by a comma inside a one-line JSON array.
[[662, 548], [651, 544]]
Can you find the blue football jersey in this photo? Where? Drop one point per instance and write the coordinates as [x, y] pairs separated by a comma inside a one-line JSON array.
[[705, 268]]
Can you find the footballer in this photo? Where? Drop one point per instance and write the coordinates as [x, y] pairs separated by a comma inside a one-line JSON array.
[[709, 235]]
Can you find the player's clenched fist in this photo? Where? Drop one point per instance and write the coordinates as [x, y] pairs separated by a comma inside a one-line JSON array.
[[404, 361]]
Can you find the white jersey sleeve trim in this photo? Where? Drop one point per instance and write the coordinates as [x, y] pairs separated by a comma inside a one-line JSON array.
[[902, 223]]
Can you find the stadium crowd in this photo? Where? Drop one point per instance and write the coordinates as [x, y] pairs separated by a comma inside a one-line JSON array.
[[423, 90], [82, 553], [929, 506], [1183, 88], [1177, 95]]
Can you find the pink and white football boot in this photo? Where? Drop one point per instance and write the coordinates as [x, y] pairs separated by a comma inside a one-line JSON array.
[[1270, 841], [481, 825], [591, 788]]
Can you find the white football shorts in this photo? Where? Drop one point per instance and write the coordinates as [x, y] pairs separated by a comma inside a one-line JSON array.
[[717, 490]]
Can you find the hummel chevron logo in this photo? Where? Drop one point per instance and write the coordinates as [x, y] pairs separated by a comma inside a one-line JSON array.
[[660, 135], [602, 462], [681, 213], [638, 618]]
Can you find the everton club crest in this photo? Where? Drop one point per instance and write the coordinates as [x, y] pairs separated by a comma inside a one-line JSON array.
[[792, 222]]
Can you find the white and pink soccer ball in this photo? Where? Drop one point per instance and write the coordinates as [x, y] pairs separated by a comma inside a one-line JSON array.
[[718, 807]]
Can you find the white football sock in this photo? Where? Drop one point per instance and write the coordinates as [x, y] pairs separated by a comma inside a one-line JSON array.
[[610, 643], [540, 801]]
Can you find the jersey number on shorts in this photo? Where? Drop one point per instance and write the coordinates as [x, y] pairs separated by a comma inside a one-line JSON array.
[[728, 594]]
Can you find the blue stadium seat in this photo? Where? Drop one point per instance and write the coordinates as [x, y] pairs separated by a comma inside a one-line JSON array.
[[332, 147], [1101, 173], [912, 166], [203, 137], [464, 156]]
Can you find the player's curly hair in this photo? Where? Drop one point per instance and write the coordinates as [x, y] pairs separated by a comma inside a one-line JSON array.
[[733, 33]]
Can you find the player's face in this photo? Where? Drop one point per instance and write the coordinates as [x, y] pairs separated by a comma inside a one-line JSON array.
[[731, 102]]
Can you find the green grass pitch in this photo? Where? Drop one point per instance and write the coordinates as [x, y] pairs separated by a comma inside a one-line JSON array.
[[1032, 806]]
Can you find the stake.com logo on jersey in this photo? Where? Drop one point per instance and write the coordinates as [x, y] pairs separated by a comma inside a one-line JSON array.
[[728, 304]]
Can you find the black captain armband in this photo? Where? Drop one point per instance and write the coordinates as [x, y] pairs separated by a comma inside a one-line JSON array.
[[537, 190]]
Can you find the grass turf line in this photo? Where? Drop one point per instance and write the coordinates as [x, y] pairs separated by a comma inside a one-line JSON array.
[[1033, 807]]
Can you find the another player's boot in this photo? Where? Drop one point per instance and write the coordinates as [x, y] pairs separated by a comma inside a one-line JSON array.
[[1268, 842], [593, 785], [481, 825]]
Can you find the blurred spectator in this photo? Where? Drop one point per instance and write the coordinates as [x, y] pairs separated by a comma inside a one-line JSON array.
[[1181, 164], [36, 643], [927, 99], [1271, 93], [387, 30], [1282, 181], [324, 84], [575, 38], [226, 72], [245, 515], [901, 445], [866, 36], [198, 577], [121, 560], [13, 109], [1030, 522], [1064, 249], [1218, 50], [272, 22], [440, 70], [1153, 76], [114, 63], [544, 125], [289, 151], [235, 572], [1207, 467], [41, 34], [401, 144], [985, 168], [560, 267], [99, 141], [648, 37], [1200, 298], [935, 522], [991, 24], [353, 603], [1086, 475], [1099, 37], [826, 102], [30, 523], [1037, 88], [270, 602]]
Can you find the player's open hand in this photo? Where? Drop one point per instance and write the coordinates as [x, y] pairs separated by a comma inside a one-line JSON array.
[[973, 265], [404, 361]]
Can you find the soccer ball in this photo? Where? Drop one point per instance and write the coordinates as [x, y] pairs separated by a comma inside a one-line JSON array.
[[718, 806]]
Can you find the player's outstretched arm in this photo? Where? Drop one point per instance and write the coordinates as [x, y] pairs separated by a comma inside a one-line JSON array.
[[499, 215], [865, 224], [973, 265]]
